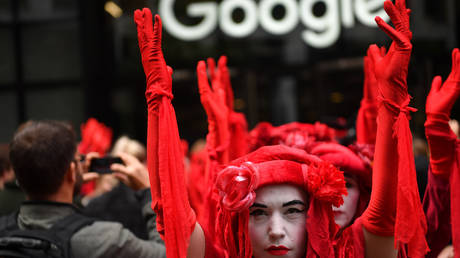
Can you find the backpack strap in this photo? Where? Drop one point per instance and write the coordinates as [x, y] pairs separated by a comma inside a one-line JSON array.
[[9, 222], [56, 239], [68, 226]]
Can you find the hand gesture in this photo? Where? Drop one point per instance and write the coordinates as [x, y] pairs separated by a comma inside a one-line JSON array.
[[225, 79], [391, 69], [442, 97], [157, 73], [213, 101], [370, 81], [133, 173]]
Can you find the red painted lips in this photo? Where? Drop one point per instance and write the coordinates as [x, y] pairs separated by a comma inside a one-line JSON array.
[[277, 250]]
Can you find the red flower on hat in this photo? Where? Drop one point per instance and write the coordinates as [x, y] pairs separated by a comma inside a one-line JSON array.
[[325, 183], [236, 186]]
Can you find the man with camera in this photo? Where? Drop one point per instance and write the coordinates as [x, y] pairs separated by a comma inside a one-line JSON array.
[[48, 168]]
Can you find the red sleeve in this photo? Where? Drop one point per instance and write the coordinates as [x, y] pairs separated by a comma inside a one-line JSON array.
[[442, 143], [239, 135], [436, 205], [366, 122], [444, 159], [176, 219]]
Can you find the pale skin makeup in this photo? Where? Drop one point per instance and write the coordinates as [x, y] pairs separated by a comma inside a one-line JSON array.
[[277, 222], [344, 214]]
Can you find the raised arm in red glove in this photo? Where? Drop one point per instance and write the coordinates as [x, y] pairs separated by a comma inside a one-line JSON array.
[[441, 139], [394, 208], [213, 101], [238, 126], [443, 143], [366, 122], [176, 220]]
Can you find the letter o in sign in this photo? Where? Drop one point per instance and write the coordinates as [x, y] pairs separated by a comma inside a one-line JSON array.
[[244, 28], [278, 27]]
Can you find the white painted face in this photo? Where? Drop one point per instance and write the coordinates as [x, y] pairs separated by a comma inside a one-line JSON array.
[[277, 222], [345, 213]]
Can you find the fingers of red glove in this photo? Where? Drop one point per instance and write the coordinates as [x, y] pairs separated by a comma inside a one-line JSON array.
[[222, 62], [454, 75], [148, 24], [211, 68], [399, 16], [383, 51], [225, 79], [203, 83], [393, 12], [400, 4], [139, 20], [218, 89], [402, 42], [157, 29], [440, 100], [374, 53], [205, 90], [436, 85]]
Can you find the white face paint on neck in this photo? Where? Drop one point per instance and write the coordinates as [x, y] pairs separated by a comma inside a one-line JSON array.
[[346, 212], [277, 222]]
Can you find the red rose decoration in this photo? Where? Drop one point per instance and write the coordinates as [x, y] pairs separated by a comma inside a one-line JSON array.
[[236, 186]]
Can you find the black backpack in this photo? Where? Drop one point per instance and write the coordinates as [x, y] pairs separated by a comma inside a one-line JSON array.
[[50, 243]]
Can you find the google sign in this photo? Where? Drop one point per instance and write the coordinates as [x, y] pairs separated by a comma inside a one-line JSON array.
[[320, 32]]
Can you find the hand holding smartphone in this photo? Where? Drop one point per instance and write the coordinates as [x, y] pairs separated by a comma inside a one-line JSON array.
[[102, 165]]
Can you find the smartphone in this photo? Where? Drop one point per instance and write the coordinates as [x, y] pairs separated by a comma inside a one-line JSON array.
[[102, 165]]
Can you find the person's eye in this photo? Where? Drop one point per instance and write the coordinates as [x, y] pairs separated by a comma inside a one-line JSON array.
[[258, 212], [348, 185], [294, 211]]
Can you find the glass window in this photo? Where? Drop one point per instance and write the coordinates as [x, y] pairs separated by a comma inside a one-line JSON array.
[[51, 52], [7, 63], [57, 104], [32, 10], [5, 11], [8, 103]]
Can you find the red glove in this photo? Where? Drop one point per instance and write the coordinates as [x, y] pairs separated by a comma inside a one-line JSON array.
[[440, 100], [395, 207], [176, 220], [213, 101], [442, 141], [366, 122], [238, 126], [225, 79], [211, 68]]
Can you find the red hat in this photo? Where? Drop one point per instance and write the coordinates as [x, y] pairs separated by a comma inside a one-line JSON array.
[[345, 159], [271, 165], [299, 135]]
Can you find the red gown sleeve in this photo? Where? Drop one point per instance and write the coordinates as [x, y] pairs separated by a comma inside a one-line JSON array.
[[175, 218]]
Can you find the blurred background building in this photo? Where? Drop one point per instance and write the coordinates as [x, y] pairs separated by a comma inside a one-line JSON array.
[[74, 59]]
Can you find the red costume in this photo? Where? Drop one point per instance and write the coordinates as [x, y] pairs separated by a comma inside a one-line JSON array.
[[444, 161], [394, 200]]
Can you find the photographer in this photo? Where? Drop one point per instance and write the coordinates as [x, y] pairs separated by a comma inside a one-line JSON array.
[[48, 168]]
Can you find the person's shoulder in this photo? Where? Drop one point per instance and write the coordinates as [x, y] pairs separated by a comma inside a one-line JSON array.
[[97, 239], [98, 230], [111, 239]]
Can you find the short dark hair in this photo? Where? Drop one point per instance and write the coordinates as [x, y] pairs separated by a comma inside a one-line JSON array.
[[41, 153]]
